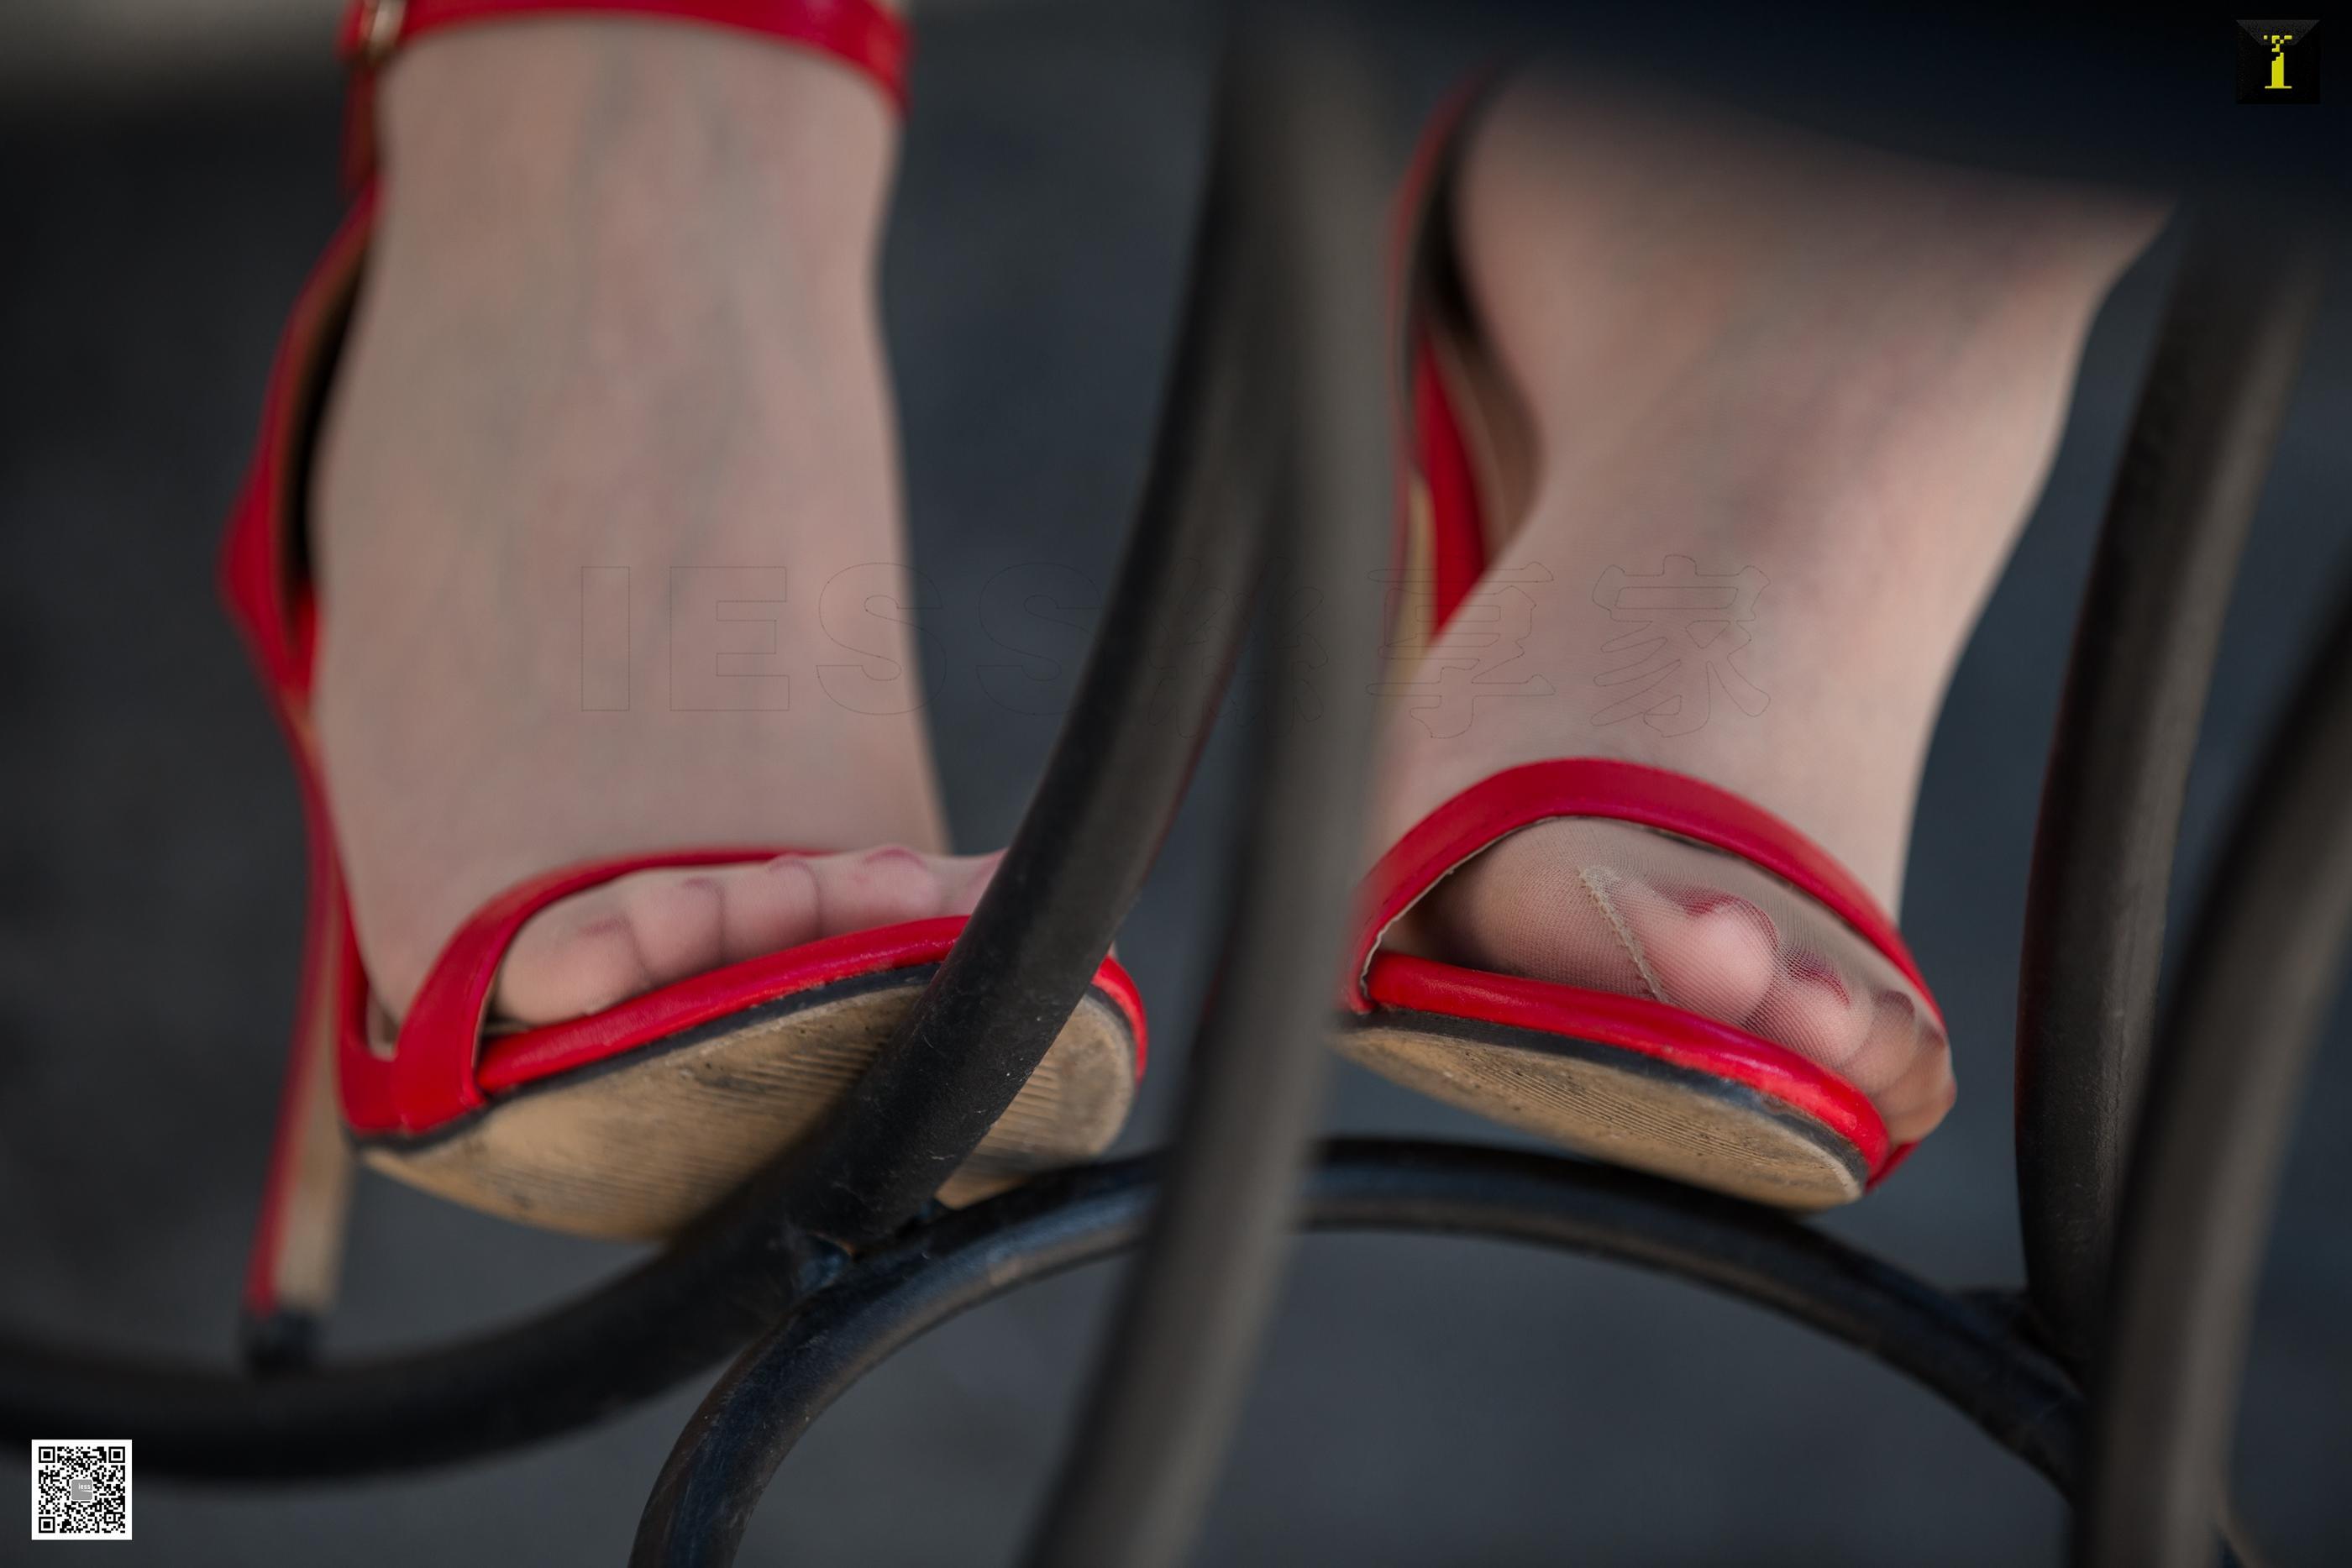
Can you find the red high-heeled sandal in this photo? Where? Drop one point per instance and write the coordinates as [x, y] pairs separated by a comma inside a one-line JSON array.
[[1632, 1079], [633, 1121]]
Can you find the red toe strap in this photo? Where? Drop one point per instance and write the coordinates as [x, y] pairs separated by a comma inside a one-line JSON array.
[[430, 1075], [441, 1068], [1619, 792]]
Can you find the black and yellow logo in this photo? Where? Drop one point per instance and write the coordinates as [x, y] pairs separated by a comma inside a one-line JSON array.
[[2278, 62]]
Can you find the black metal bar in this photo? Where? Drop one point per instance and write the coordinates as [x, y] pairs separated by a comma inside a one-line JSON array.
[[755, 1413], [1112, 786], [2271, 943], [2136, 685], [1298, 147], [1119, 772], [625, 1341]]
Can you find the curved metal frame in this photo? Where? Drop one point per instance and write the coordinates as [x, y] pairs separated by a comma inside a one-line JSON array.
[[1296, 149], [2145, 642], [834, 1260], [2267, 959], [1964, 1351]]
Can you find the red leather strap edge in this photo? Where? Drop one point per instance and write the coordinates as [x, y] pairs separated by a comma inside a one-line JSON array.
[[1637, 1024], [267, 602], [1430, 444], [272, 611], [1895, 1156], [868, 37], [440, 1068], [434, 1063], [1676, 803], [520, 1059], [865, 36], [1457, 539]]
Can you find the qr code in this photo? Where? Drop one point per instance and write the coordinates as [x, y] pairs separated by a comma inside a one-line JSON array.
[[82, 1490]]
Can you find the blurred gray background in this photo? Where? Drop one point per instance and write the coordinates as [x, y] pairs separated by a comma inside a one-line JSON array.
[[166, 174]]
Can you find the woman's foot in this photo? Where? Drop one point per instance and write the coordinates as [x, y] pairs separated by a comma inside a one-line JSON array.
[[1763, 414], [619, 314]]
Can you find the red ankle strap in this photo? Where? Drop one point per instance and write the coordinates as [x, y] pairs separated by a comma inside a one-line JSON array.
[[863, 35]]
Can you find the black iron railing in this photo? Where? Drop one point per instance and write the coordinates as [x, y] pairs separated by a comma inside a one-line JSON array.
[[1269, 460]]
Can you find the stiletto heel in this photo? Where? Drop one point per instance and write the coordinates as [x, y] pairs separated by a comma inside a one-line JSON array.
[[296, 1267]]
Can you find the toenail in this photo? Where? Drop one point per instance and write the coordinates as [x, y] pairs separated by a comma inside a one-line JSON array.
[[606, 925], [1709, 903], [1702, 900], [1820, 971]]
